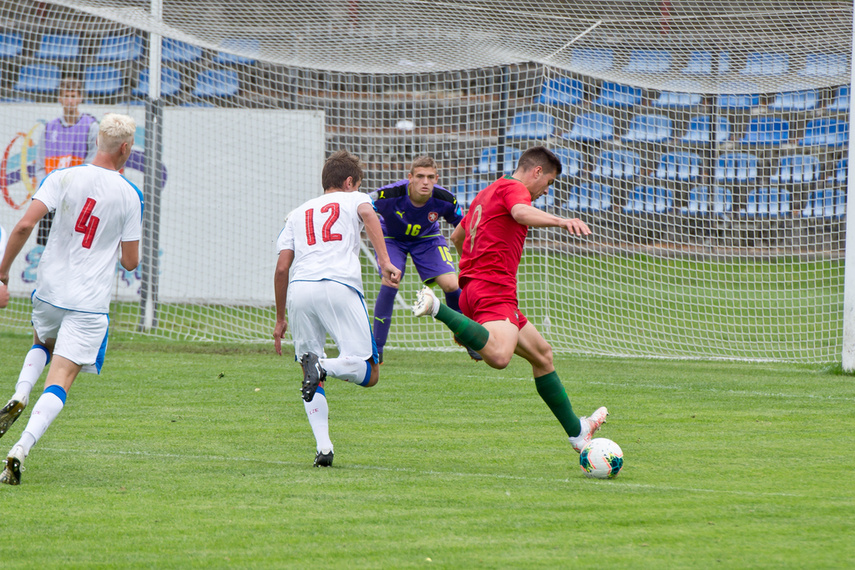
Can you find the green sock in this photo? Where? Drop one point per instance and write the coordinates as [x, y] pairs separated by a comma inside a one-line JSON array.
[[551, 389], [468, 332]]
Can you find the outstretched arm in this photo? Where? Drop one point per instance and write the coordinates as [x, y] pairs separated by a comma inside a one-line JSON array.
[[532, 217], [375, 236], [280, 288]]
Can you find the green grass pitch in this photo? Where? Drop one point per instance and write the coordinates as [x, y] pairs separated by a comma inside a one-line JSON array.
[[188, 455]]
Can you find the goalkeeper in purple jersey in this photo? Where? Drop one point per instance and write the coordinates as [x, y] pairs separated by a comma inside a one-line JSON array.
[[409, 215]]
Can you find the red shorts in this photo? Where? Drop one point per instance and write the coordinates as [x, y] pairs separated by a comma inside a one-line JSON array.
[[484, 301]]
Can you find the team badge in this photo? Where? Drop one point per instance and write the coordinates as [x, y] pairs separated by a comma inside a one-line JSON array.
[[433, 216]]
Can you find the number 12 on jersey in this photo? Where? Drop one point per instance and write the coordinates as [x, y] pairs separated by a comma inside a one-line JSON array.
[[333, 210], [87, 223]]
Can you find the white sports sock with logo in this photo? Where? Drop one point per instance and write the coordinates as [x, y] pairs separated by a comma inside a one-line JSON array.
[[318, 412]]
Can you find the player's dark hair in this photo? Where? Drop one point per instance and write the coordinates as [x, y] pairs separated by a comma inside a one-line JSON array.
[[340, 166], [71, 83], [540, 156], [423, 161]]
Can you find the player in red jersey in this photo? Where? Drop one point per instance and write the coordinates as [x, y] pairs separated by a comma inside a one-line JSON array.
[[490, 240]]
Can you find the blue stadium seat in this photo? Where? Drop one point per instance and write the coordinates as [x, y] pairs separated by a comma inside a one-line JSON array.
[[465, 191], [592, 59], [763, 63], [723, 62], [59, 47], [698, 203], [39, 78], [617, 95], [11, 45], [700, 63], [767, 131], [648, 129], [796, 169], [649, 200], [841, 173], [679, 95], [589, 197], [102, 80], [562, 91], [680, 166], [795, 101], [531, 125], [722, 201], [826, 132], [767, 202], [176, 51], [217, 83], [648, 61], [828, 203], [592, 127], [571, 161], [120, 48], [738, 96], [841, 101], [489, 161], [699, 131], [825, 65], [736, 168], [618, 164], [170, 83], [239, 51], [544, 202]]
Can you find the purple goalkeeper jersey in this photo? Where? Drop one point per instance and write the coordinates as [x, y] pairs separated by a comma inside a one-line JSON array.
[[403, 221]]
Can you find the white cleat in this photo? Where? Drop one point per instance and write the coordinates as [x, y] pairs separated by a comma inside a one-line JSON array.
[[426, 303], [11, 474], [590, 425]]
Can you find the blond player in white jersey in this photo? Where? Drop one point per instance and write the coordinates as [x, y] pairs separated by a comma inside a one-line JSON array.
[[318, 280], [98, 217]]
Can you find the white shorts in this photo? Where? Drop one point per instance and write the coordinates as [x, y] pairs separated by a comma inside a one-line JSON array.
[[80, 337], [316, 308]]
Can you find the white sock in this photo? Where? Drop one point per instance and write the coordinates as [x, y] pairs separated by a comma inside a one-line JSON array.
[[348, 368], [318, 412], [47, 407], [34, 365]]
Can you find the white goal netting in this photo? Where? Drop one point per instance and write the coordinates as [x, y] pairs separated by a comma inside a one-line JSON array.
[[706, 144]]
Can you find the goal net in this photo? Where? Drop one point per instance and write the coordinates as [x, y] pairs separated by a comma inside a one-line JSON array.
[[705, 143]]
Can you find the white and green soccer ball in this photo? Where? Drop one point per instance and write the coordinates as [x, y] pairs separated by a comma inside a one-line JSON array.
[[601, 459]]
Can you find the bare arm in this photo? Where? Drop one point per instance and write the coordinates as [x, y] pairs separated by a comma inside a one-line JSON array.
[[532, 217], [375, 236], [457, 237], [280, 289], [19, 236], [130, 254]]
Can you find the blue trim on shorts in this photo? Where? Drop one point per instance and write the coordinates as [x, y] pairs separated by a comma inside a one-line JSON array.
[[47, 352], [57, 391], [99, 360]]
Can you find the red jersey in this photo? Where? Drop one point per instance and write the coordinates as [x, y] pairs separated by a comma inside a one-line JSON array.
[[493, 240]]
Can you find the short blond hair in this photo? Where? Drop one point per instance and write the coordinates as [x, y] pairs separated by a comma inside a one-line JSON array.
[[114, 130]]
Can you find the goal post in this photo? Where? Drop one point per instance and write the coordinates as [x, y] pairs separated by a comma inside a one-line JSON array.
[[705, 144]]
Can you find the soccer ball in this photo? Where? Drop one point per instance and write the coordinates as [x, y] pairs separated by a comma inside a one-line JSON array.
[[601, 459]]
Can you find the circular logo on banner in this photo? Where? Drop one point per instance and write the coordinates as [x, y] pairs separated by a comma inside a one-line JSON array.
[[15, 175]]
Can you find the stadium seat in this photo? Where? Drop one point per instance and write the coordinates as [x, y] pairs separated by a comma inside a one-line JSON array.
[[825, 65], [738, 96], [589, 197], [841, 173], [11, 45], [698, 203], [592, 127], [648, 129], [841, 101], [795, 101], [736, 168], [176, 51], [465, 191], [828, 203], [217, 83], [767, 131], [59, 47], [39, 78], [648, 61], [826, 132], [679, 95], [120, 48], [722, 201], [767, 202], [618, 164], [545, 202], [649, 200], [797, 169], [531, 125], [617, 95], [248, 47], [763, 63], [562, 91], [592, 59], [170, 83], [102, 80], [699, 132], [571, 162], [489, 161], [679, 166], [700, 63]]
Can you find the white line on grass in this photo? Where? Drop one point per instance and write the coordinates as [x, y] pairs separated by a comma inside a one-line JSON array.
[[613, 485]]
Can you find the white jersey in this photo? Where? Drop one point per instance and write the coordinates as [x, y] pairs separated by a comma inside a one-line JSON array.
[[324, 234], [3, 240], [96, 209]]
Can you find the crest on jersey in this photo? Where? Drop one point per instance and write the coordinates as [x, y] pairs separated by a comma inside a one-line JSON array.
[[433, 216]]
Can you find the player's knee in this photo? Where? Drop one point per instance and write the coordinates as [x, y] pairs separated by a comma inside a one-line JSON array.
[[374, 377], [497, 361]]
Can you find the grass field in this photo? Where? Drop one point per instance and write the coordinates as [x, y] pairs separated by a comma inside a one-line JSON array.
[[199, 456]]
